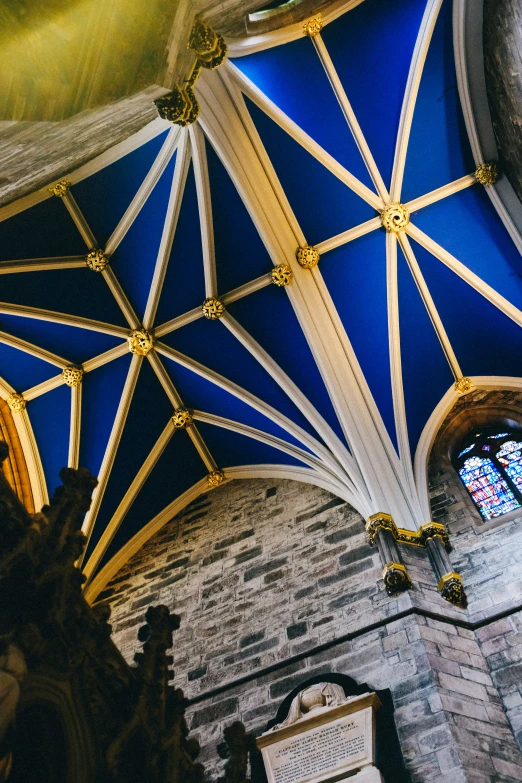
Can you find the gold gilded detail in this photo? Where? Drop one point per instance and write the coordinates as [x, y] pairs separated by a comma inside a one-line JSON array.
[[281, 275], [180, 106], [414, 538], [140, 342], [182, 418], [16, 403], [210, 47], [464, 385], [487, 174], [215, 478], [396, 578], [395, 217], [61, 188], [213, 308], [307, 256], [313, 27], [96, 260], [451, 588], [72, 376]]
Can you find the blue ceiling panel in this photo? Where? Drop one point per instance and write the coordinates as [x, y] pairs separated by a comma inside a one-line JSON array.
[[282, 337], [231, 449], [179, 468], [50, 420], [22, 370], [76, 291], [104, 197], [438, 150], [426, 375], [43, 231], [210, 343], [294, 79], [71, 343], [145, 423], [240, 253], [322, 204], [101, 392], [485, 341], [199, 394], [371, 49], [135, 258], [184, 284], [481, 242], [356, 277]]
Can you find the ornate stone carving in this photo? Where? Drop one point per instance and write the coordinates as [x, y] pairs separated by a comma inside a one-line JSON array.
[[281, 275], [395, 217], [72, 376], [396, 578], [452, 589], [464, 385], [96, 260], [16, 403], [182, 418], [61, 188], [140, 342], [378, 521], [210, 47], [215, 478], [487, 174], [307, 256], [434, 530], [213, 308], [179, 106], [322, 695], [236, 747], [313, 27]]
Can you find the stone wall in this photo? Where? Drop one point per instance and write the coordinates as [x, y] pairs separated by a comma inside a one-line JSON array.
[[275, 583]]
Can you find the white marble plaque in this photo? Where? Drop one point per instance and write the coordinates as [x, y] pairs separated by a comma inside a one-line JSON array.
[[319, 753]]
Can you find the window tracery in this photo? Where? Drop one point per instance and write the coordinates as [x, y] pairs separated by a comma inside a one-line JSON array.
[[489, 464]]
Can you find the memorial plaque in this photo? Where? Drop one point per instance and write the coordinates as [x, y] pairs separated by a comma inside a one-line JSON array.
[[326, 746]]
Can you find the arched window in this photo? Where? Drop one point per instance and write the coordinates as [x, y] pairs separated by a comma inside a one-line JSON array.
[[489, 463]]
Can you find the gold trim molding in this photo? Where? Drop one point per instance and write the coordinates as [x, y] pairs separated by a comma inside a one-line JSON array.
[[464, 385], [215, 478], [16, 403], [60, 189], [313, 27], [396, 578], [384, 521]]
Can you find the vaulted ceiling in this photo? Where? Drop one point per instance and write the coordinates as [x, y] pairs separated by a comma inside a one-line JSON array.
[[337, 378]]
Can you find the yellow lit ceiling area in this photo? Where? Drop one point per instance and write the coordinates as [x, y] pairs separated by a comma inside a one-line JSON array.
[[299, 283]]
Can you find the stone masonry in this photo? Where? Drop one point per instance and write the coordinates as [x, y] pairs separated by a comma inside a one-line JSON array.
[[275, 583]]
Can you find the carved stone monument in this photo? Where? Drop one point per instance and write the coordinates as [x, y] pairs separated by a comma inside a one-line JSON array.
[[325, 737]]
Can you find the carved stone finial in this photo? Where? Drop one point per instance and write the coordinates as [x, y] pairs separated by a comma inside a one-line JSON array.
[[210, 48], [487, 174], [72, 376], [140, 342], [16, 403], [96, 260], [61, 188], [395, 217], [396, 578], [307, 256], [213, 308], [451, 588], [182, 418], [215, 478], [313, 27], [464, 385], [281, 275]]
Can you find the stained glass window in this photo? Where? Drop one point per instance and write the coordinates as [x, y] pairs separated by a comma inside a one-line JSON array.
[[487, 487], [490, 465], [510, 457]]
